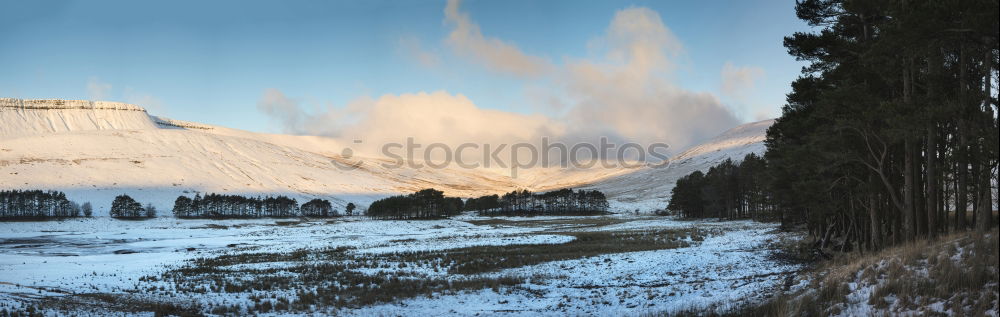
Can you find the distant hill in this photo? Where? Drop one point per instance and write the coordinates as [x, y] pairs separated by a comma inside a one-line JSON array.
[[649, 188], [95, 150]]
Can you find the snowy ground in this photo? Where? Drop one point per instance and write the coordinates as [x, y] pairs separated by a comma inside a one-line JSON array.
[[716, 263]]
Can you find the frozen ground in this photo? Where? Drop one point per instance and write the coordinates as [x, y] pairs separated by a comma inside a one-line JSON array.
[[717, 263]]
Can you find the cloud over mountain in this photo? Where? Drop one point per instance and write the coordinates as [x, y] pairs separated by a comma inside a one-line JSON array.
[[626, 94]]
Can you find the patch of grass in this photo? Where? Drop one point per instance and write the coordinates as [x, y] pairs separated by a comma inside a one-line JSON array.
[[311, 280], [319, 278], [576, 222], [479, 259], [958, 270], [103, 303], [211, 226]]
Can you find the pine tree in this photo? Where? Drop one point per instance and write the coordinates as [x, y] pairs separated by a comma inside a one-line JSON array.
[[183, 207], [16, 204], [424, 204], [125, 207], [893, 111], [350, 209], [524, 203], [317, 208]]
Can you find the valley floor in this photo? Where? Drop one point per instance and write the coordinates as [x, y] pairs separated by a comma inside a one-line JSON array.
[[467, 265]]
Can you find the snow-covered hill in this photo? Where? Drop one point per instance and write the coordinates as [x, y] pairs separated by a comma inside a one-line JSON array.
[[95, 150], [648, 189], [31, 117]]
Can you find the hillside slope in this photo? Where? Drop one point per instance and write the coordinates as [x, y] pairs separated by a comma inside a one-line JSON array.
[[95, 150], [954, 275], [648, 188], [31, 117]]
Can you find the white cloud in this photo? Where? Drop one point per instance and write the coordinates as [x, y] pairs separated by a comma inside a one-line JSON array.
[[626, 95], [441, 117], [466, 39], [151, 104], [282, 109], [437, 117], [738, 83], [629, 94], [738, 80], [98, 90], [637, 36], [410, 46]]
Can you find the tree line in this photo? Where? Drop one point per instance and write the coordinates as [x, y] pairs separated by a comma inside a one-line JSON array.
[[237, 206], [522, 203], [38, 204], [28, 204], [424, 204], [125, 207], [729, 190], [890, 133]]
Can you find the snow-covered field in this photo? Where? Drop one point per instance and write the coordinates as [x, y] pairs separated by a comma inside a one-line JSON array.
[[698, 264], [610, 265]]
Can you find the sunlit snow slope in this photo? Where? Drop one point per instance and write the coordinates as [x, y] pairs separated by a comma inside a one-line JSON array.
[[95, 150], [31, 117], [648, 189]]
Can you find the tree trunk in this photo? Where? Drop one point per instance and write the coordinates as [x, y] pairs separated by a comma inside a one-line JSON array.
[[876, 235], [931, 192], [961, 153], [909, 221], [919, 175], [930, 151], [961, 193], [985, 220]]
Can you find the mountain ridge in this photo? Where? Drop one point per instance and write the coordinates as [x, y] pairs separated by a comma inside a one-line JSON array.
[[97, 150]]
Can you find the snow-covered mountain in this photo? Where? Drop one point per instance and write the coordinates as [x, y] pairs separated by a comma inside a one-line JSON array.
[[648, 189], [32, 117], [95, 150]]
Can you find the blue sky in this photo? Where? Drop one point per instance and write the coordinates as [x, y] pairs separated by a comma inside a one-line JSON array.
[[212, 61]]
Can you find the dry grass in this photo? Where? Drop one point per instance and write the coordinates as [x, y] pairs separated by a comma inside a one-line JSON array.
[[328, 279], [100, 304], [958, 271], [481, 259], [580, 222]]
